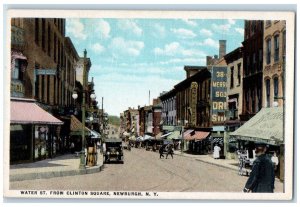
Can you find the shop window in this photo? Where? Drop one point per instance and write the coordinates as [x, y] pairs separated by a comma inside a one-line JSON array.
[[276, 48], [268, 51]]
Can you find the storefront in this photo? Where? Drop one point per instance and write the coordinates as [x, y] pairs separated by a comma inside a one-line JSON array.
[[197, 141], [267, 127], [33, 131]]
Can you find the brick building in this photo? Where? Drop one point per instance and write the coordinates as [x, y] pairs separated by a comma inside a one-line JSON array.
[[252, 68], [273, 62]]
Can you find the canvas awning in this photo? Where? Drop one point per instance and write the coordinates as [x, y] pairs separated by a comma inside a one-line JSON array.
[[266, 126], [76, 127], [197, 136], [95, 135], [26, 111], [165, 135], [175, 135]]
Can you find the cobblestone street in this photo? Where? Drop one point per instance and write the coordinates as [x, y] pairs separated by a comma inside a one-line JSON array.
[[144, 171]]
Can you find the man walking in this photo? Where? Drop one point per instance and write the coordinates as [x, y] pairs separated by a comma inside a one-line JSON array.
[[161, 151], [262, 176], [170, 151]]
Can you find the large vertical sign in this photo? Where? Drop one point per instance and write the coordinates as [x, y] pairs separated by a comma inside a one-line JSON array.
[[218, 93], [194, 87]]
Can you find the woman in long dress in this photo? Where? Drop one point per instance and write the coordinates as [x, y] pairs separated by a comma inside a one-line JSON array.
[[217, 150]]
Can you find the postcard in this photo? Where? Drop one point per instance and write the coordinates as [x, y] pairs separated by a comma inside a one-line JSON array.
[[110, 104]]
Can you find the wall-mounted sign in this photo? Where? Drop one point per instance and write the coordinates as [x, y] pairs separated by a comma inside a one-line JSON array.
[[45, 72], [194, 89], [218, 93]]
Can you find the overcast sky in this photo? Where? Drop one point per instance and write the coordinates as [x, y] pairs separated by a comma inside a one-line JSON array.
[[132, 56]]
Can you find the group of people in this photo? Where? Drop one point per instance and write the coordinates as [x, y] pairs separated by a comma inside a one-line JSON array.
[[169, 150]]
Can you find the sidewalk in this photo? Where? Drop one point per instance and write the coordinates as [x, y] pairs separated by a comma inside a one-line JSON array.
[[64, 165], [225, 163]]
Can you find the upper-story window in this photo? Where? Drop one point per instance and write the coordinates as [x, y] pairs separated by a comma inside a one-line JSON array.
[[268, 23], [275, 87], [43, 34], [268, 92], [17, 73], [276, 48], [239, 74], [268, 51], [36, 31], [231, 77]]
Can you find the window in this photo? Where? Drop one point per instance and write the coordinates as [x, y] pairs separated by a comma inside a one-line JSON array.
[[276, 48], [36, 31], [58, 52], [17, 73], [268, 92], [253, 61], [231, 77], [268, 23], [268, 51], [48, 89], [239, 74], [275, 87], [43, 88], [49, 40], [253, 98], [37, 84], [43, 34], [260, 59], [54, 48], [283, 42]]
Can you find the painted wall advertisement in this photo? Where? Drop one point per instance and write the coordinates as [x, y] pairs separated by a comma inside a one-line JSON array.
[[218, 93]]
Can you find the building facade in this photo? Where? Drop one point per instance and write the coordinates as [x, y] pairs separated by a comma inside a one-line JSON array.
[[273, 62], [252, 68]]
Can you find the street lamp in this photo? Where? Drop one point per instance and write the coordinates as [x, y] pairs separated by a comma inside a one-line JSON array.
[[75, 96]]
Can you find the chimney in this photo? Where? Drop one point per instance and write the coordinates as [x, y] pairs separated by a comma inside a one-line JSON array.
[[208, 60], [222, 48]]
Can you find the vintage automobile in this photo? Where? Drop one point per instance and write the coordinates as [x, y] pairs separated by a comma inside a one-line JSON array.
[[113, 150]]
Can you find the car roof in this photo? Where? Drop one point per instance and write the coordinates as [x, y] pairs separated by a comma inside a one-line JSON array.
[[113, 140]]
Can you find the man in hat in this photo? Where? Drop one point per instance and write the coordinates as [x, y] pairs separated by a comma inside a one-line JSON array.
[[262, 176]]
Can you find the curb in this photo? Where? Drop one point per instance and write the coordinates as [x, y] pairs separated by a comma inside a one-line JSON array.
[[43, 175]]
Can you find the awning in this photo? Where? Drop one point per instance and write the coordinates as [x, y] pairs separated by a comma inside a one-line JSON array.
[[165, 135], [147, 137], [187, 132], [26, 111], [76, 127], [197, 136], [175, 135], [266, 126], [95, 135]]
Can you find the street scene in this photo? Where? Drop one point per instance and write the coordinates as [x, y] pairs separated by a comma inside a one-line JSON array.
[[145, 171], [145, 104]]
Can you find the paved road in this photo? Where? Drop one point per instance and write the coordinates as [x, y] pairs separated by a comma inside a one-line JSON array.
[[144, 171]]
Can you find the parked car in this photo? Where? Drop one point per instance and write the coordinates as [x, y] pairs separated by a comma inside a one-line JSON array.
[[114, 150]]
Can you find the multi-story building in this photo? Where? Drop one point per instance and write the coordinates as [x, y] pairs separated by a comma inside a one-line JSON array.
[[273, 62], [234, 62], [252, 68], [38, 46], [168, 100]]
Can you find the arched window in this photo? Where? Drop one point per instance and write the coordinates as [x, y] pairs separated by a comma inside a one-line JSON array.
[[268, 51], [276, 48]]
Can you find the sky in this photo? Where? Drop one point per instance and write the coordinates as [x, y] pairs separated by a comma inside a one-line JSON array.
[[132, 56]]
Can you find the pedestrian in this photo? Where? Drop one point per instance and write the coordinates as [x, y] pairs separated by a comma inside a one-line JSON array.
[[161, 151], [170, 151], [72, 147], [275, 160], [262, 176], [217, 150]]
